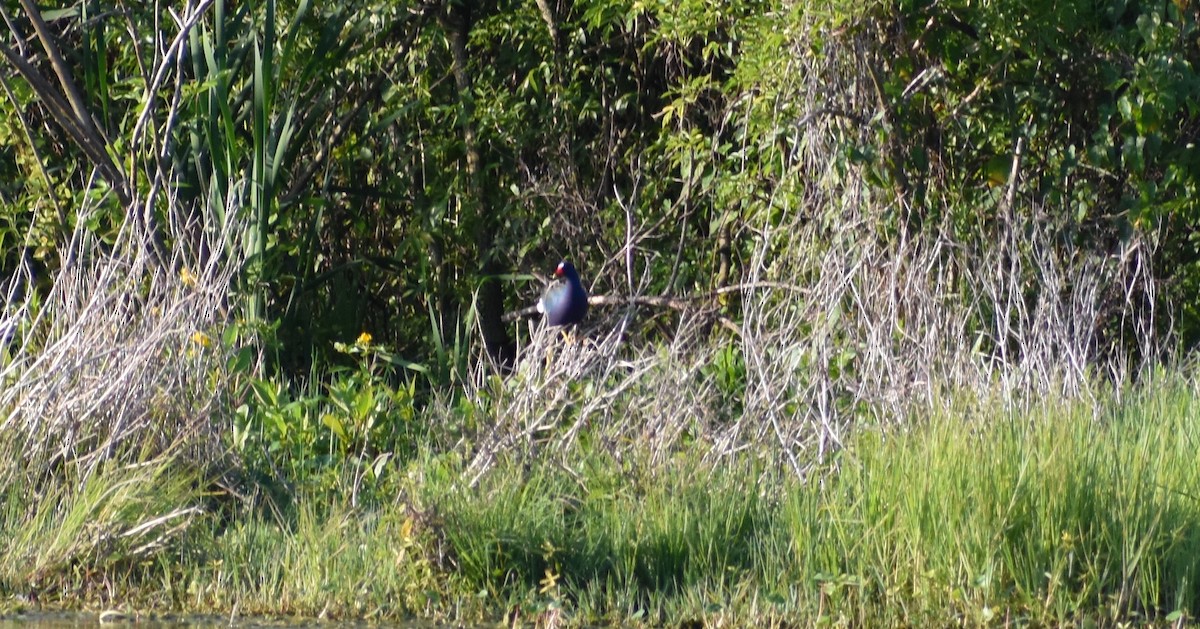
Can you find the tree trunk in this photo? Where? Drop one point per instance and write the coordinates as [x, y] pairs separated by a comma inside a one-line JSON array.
[[456, 20]]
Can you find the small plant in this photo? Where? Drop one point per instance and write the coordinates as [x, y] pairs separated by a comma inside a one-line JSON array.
[[359, 416]]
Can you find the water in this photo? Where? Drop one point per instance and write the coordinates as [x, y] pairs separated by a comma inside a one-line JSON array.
[[55, 620]]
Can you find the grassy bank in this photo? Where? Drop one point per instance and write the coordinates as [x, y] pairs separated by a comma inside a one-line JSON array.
[[858, 269], [972, 514]]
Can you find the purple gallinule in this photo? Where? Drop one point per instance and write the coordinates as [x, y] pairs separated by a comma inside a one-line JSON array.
[[565, 300]]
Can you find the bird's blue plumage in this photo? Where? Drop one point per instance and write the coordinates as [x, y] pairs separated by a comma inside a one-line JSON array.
[[565, 300]]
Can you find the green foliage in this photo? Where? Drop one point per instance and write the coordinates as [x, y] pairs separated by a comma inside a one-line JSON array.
[[268, 79], [728, 372], [1058, 513], [59, 535], [359, 418], [1045, 516], [1093, 106], [321, 557], [343, 138], [387, 160]]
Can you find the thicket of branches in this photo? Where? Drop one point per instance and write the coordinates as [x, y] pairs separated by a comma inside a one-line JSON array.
[[803, 214]]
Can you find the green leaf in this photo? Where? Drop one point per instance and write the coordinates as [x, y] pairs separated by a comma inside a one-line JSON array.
[[335, 425]]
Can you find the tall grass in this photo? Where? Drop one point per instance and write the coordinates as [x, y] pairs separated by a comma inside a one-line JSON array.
[[114, 368], [77, 539], [116, 357], [1039, 515], [110, 427], [974, 514]]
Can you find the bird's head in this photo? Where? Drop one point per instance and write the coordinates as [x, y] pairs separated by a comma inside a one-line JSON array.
[[564, 269]]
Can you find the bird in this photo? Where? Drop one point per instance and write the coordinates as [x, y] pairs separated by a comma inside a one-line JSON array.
[[565, 301]]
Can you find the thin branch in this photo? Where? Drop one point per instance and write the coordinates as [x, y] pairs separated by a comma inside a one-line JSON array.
[[78, 124], [664, 301], [60, 68]]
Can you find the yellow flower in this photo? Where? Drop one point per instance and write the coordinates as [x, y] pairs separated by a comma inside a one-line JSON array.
[[549, 583], [364, 339], [201, 339], [185, 276]]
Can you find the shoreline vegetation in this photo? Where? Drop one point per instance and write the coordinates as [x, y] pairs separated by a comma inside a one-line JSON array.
[[894, 316], [1057, 513]]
